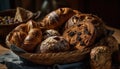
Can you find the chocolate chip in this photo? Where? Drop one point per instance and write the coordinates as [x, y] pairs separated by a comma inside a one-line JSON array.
[[57, 38], [71, 34], [78, 38], [82, 43], [79, 33], [86, 31], [73, 44]]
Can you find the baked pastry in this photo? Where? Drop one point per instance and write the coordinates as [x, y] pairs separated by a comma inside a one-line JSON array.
[[25, 36], [32, 24], [49, 33], [22, 27], [110, 42], [100, 58], [54, 44], [25, 27], [22, 14], [15, 38], [57, 18], [32, 39], [80, 35]]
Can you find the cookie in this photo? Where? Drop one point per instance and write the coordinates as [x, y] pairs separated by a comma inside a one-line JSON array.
[[57, 18], [54, 44], [80, 35], [95, 20]]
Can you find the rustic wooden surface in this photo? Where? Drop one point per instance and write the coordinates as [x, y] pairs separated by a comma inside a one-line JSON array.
[[3, 48]]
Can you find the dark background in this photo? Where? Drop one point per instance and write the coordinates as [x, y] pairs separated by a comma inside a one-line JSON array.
[[108, 10]]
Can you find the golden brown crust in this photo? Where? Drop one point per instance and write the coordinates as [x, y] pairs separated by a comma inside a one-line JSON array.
[[57, 18], [22, 27], [25, 36], [32, 39], [110, 42], [54, 44], [15, 38], [100, 58]]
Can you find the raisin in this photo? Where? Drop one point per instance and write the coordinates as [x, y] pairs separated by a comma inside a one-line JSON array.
[[82, 43], [73, 44], [78, 38], [71, 34], [86, 31]]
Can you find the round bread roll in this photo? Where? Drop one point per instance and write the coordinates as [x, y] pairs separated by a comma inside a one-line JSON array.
[[49, 33], [100, 58], [110, 42], [25, 36], [57, 18], [80, 35], [54, 44]]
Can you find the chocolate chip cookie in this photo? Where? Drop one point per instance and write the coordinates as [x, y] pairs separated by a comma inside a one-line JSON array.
[[90, 18], [80, 35]]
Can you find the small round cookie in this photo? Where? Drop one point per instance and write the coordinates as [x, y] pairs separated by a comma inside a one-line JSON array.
[[54, 44], [57, 18], [100, 58], [49, 33], [80, 35], [90, 18]]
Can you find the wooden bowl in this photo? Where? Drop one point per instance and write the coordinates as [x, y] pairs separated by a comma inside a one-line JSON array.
[[6, 28]]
